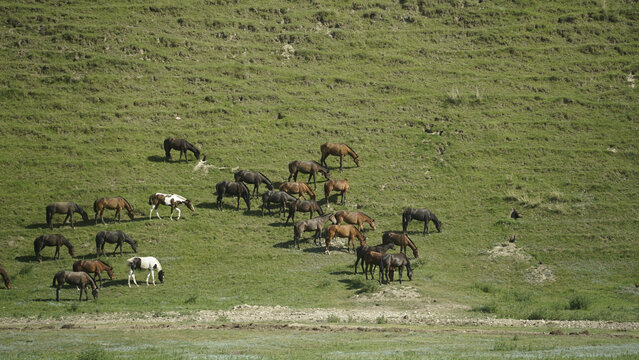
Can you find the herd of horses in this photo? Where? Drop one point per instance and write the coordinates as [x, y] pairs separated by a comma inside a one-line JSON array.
[[344, 224]]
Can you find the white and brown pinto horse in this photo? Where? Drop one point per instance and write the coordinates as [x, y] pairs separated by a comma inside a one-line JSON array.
[[172, 200], [145, 263]]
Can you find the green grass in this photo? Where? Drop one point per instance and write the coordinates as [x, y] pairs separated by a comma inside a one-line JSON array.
[[531, 98]]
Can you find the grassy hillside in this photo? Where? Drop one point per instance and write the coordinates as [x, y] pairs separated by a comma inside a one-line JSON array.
[[469, 108]]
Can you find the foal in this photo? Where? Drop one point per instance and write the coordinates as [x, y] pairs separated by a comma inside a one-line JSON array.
[[79, 279]]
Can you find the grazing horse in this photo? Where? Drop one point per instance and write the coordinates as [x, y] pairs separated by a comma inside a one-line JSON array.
[[300, 188], [231, 188], [114, 203], [338, 185], [253, 177], [56, 240], [371, 259], [355, 217], [79, 279], [182, 145], [5, 278], [64, 208], [172, 200], [337, 150], [145, 263], [278, 197], [113, 237], [400, 239], [303, 206], [361, 250], [307, 167], [344, 231], [424, 215], [96, 267], [315, 224], [394, 261]]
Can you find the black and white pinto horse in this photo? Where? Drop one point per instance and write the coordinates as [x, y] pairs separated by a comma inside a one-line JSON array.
[[253, 177], [145, 263], [182, 145], [172, 200]]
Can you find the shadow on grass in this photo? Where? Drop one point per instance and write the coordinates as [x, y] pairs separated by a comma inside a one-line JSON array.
[[120, 282], [59, 226], [279, 224], [156, 158], [207, 205], [28, 258]]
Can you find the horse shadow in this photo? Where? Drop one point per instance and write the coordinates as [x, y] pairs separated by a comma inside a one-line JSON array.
[[108, 283], [156, 158], [59, 227], [29, 258], [352, 284], [207, 205], [343, 272], [278, 224]]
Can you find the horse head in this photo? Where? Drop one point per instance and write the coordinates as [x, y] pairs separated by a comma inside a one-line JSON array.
[[189, 205], [161, 276], [325, 172], [84, 215], [71, 250], [332, 219], [94, 292], [238, 175], [109, 271], [356, 159], [131, 213], [373, 224], [438, 225]]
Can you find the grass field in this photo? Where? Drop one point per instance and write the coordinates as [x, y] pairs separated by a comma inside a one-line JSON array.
[[469, 108]]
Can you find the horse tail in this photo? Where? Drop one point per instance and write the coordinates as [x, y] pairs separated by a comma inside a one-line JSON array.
[[151, 199], [56, 279], [167, 147], [95, 205], [77, 265], [36, 244]]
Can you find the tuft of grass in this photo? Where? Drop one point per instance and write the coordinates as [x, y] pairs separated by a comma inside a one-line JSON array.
[[484, 287], [490, 308], [381, 320], [26, 270], [94, 354], [191, 300], [333, 319], [578, 302], [363, 286]]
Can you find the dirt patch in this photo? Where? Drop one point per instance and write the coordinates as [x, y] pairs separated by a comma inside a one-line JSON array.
[[392, 293], [509, 250], [539, 274]]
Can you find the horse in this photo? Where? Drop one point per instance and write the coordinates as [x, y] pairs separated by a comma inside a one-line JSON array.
[[145, 263], [400, 239], [56, 240], [114, 203], [300, 188], [94, 266], [303, 206], [344, 231], [371, 259], [279, 197], [79, 279], [231, 188], [307, 167], [113, 237], [355, 217], [339, 185], [424, 215], [64, 208], [316, 224], [253, 177], [396, 261], [338, 150], [361, 250], [182, 145], [5, 278], [172, 200]]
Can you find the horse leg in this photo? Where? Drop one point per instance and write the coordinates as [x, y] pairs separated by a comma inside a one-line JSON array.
[[179, 213], [118, 244], [57, 252], [57, 294], [99, 276], [328, 243], [132, 275], [118, 214], [65, 219], [71, 219], [102, 216], [426, 227], [238, 203]]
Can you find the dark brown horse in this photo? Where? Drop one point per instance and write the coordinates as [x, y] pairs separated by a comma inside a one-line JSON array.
[[56, 240], [253, 177], [307, 167], [315, 224], [371, 259], [300, 188], [278, 197], [5, 278], [114, 203], [303, 206], [113, 237], [233, 188], [181, 145], [361, 250], [402, 240], [64, 208], [95, 267], [337, 150], [338, 185], [344, 231], [394, 261], [355, 217], [424, 215], [79, 279]]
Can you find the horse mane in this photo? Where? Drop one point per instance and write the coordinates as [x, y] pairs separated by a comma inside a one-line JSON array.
[[349, 148], [411, 244], [265, 178], [192, 148], [245, 188], [366, 215], [105, 264], [127, 203]]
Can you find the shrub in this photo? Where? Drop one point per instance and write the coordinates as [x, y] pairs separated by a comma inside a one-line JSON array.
[[578, 302], [333, 319], [490, 308], [381, 320]]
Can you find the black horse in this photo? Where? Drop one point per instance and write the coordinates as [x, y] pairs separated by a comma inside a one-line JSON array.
[[232, 188], [182, 145], [394, 261], [424, 215], [279, 197], [307, 167], [56, 240], [64, 208], [253, 177], [113, 237], [303, 206]]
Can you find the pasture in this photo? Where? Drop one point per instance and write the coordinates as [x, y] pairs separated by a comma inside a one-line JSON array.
[[467, 108]]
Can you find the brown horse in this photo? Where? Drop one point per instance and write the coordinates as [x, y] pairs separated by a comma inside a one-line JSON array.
[[297, 188], [337, 150], [303, 206], [394, 261], [344, 231], [338, 185], [307, 167], [56, 240], [114, 203], [5, 277], [79, 279], [362, 250], [400, 239], [233, 188], [64, 208], [95, 267], [371, 259], [182, 145], [355, 217]]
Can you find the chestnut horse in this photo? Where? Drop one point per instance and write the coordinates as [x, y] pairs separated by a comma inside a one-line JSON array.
[[344, 231], [400, 239], [5, 277], [338, 185], [337, 150], [233, 188], [114, 203], [172, 200], [181, 145], [79, 279], [424, 215], [94, 266], [297, 188], [355, 217], [56, 240], [307, 167], [64, 208]]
